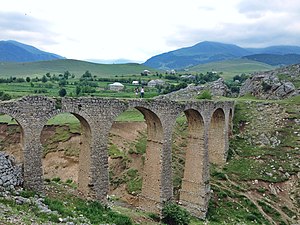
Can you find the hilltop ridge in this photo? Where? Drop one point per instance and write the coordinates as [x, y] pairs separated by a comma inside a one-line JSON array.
[[207, 52], [13, 51]]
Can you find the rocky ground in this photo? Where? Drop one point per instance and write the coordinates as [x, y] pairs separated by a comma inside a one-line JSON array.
[[265, 158], [276, 84]]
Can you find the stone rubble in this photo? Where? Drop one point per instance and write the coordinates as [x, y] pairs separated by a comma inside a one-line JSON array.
[[216, 88], [11, 175]]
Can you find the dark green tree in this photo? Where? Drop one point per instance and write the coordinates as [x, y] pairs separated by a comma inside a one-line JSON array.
[[87, 74], [62, 92], [44, 79], [78, 90], [62, 82], [173, 214], [67, 74], [4, 96]]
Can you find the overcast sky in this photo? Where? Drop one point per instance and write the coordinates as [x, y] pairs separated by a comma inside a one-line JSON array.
[[139, 29]]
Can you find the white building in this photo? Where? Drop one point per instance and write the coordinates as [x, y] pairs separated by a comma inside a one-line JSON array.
[[146, 72], [135, 82], [116, 86], [153, 83]]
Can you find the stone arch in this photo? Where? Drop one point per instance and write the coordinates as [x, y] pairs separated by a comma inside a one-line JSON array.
[[17, 152], [217, 139], [126, 150], [194, 192], [151, 195], [179, 144], [84, 157]]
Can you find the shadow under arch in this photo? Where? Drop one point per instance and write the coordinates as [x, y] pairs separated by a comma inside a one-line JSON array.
[[230, 123], [195, 179], [84, 157], [216, 138], [9, 125], [150, 198]]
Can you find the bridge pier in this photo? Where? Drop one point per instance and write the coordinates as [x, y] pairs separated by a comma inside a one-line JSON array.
[[33, 153]]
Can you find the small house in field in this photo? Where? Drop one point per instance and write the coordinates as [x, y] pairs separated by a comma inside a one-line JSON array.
[[135, 82], [153, 83], [116, 86], [171, 72], [145, 73]]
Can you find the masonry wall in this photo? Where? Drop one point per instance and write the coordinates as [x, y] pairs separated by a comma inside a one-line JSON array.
[[208, 139]]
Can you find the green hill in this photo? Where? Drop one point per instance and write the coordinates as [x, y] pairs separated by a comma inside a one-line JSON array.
[[275, 59], [232, 67], [208, 51], [203, 52], [77, 67]]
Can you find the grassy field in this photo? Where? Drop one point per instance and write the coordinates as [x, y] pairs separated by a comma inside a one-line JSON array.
[[124, 73], [230, 68], [102, 75], [76, 67], [17, 90]]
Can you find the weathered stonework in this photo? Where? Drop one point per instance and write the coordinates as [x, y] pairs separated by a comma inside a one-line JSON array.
[[209, 126]]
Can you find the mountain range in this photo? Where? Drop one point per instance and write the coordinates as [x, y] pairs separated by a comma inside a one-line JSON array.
[[207, 52], [13, 51], [184, 58]]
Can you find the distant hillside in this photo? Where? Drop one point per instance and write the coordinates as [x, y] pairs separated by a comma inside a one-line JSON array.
[[73, 66], [203, 52], [279, 50], [275, 59], [232, 67], [13, 51], [207, 52]]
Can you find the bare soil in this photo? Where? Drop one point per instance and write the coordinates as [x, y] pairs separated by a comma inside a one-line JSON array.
[[61, 164]]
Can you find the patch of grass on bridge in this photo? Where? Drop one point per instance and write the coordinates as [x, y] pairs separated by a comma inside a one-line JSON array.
[[131, 115]]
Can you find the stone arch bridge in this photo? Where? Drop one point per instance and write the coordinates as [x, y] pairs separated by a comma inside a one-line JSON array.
[[209, 125]]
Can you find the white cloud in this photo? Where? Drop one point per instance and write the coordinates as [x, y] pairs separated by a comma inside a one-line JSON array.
[[139, 29], [24, 28]]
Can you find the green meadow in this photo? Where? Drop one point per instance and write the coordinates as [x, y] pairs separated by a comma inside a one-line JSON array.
[[75, 67], [230, 68]]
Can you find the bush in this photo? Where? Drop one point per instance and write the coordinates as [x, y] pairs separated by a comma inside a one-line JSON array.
[[62, 92], [204, 95], [219, 175], [154, 216], [56, 179], [4, 96], [27, 193], [265, 86], [173, 214]]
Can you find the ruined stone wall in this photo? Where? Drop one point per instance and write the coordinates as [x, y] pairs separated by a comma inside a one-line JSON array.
[[96, 116]]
